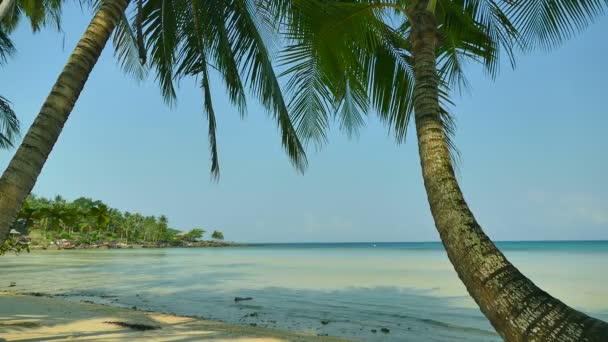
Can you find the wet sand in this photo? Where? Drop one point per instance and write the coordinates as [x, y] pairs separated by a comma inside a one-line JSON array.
[[32, 318]]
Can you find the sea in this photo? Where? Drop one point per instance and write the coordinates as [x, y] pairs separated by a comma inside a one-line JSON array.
[[352, 290]]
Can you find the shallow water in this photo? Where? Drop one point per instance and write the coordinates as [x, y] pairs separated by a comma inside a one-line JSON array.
[[409, 288]]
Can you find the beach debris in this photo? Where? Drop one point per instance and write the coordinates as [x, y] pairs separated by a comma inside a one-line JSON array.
[[240, 299], [134, 307], [23, 324], [324, 322], [253, 324], [385, 330], [106, 296], [254, 314], [12, 284], [134, 326], [374, 331]]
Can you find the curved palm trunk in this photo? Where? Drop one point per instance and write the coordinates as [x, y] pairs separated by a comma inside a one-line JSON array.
[[516, 307], [21, 174]]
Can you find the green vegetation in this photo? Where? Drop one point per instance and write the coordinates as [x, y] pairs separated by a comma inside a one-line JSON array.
[[85, 221], [9, 123], [217, 235], [194, 235]]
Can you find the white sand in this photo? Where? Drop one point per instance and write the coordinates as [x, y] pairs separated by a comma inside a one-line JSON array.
[[30, 318]]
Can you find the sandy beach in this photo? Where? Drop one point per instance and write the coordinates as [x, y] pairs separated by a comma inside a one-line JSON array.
[[33, 318]]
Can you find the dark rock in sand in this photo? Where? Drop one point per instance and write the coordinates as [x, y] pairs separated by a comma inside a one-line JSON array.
[[324, 322], [253, 324], [374, 331], [385, 330], [12, 284], [240, 299], [134, 326]]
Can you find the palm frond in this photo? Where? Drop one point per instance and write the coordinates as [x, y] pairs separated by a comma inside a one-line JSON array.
[[325, 61], [193, 58], [9, 124], [392, 80], [41, 13], [223, 56], [548, 23], [215, 164], [6, 47], [311, 100], [253, 56], [161, 31], [127, 50]]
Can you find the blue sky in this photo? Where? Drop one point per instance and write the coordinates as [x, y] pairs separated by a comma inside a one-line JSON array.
[[533, 147]]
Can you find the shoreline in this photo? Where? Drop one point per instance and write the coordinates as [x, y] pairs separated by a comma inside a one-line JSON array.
[[41, 316], [69, 245]]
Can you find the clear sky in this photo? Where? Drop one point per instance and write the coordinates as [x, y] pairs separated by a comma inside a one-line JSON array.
[[533, 144]]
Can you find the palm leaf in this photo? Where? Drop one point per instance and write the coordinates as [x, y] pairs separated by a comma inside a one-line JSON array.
[[9, 124], [6, 47], [161, 30], [126, 50], [548, 23], [252, 55]]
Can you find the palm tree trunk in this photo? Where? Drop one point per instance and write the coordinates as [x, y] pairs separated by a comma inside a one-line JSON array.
[[21, 174], [5, 8], [516, 307]]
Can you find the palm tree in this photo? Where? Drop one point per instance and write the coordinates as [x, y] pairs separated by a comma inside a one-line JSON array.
[[217, 235], [349, 57], [100, 214], [23, 170], [184, 38]]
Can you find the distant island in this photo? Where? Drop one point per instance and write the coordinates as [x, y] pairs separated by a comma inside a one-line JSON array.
[[85, 223]]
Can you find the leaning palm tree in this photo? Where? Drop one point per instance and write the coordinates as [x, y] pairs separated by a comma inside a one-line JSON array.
[[402, 58], [182, 38], [20, 176]]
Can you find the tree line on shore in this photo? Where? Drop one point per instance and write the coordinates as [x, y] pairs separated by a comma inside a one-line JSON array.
[[86, 221]]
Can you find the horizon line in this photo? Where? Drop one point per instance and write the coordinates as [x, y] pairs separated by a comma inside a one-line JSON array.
[[435, 241]]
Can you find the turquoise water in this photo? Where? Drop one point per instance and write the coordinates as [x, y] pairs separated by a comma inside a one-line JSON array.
[[409, 288]]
